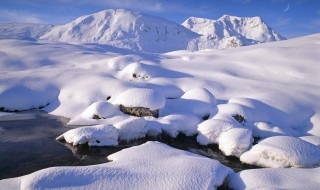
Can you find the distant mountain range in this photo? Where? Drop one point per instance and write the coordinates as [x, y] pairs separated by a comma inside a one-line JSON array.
[[141, 32]]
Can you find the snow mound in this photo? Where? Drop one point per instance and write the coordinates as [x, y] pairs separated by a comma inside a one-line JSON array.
[[235, 141], [36, 94], [184, 123], [141, 97], [198, 101], [25, 31], [280, 178], [131, 128], [152, 165], [97, 135], [100, 109], [124, 29], [264, 130], [137, 71], [230, 31], [311, 139], [283, 151], [99, 113], [210, 130]]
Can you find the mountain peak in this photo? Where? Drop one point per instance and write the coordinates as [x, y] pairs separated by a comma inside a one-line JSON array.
[[231, 31], [124, 29]]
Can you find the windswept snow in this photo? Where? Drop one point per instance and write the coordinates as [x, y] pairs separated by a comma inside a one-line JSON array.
[[272, 178], [152, 165]]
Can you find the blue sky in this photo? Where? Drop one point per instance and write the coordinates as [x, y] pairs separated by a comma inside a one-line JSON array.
[[290, 18]]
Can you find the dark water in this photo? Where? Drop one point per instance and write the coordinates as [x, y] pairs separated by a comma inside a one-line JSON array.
[[27, 144]]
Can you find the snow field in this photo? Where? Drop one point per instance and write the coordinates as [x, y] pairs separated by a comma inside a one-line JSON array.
[[152, 165]]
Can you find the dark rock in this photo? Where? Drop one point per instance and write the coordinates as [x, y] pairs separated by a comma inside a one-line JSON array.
[[206, 117], [239, 118], [139, 111], [96, 117]]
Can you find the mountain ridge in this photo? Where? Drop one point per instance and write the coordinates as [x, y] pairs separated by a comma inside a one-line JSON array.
[[230, 31], [137, 31]]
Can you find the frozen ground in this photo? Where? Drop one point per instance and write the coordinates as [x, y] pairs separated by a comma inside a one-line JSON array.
[[225, 97]]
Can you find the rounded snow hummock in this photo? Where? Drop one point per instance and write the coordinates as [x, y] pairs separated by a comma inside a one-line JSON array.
[[198, 101], [283, 151], [141, 102], [141, 97]]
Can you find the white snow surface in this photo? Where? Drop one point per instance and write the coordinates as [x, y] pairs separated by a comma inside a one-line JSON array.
[[24, 31], [124, 29], [152, 165], [229, 32], [312, 139], [274, 83], [235, 141], [131, 128], [96, 135], [276, 178], [141, 97], [283, 151]]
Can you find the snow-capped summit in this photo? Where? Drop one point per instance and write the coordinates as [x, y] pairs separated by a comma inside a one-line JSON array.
[[124, 29], [230, 31], [25, 31]]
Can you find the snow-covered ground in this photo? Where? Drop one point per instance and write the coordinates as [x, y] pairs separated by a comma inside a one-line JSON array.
[[273, 86], [152, 165], [225, 97]]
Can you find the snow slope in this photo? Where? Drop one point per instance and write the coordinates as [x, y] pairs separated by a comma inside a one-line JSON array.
[[140, 32], [230, 31], [26, 31], [124, 29], [274, 83], [152, 165]]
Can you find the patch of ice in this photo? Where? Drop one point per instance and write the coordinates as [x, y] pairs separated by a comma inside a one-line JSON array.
[[5, 113]]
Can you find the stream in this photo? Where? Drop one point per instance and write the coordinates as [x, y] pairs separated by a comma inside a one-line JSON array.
[[27, 144]]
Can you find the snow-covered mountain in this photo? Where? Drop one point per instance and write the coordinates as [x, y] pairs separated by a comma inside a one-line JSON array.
[[124, 29], [140, 32], [230, 31], [23, 30]]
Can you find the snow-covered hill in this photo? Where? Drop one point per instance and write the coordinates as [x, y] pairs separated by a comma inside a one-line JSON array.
[[124, 29], [23, 30], [140, 32], [230, 31]]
